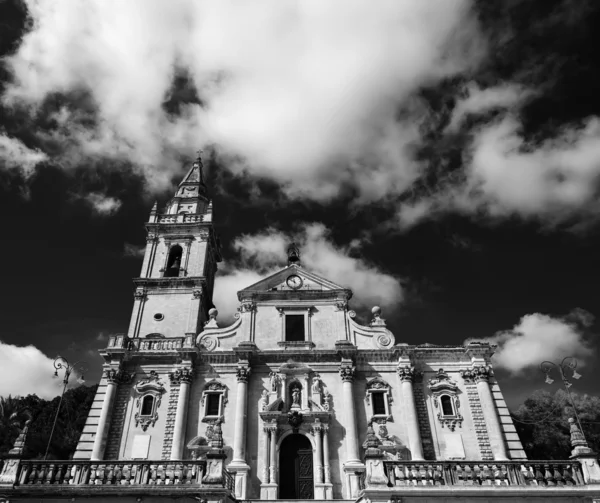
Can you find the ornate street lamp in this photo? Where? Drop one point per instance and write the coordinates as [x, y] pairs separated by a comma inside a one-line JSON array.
[[61, 363], [568, 364]]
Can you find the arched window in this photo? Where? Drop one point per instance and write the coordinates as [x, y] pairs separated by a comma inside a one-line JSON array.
[[174, 262], [447, 409], [147, 405]]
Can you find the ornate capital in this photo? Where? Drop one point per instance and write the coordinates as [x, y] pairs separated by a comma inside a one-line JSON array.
[[341, 305], [316, 428], [477, 374], [243, 373], [197, 293], [406, 373], [117, 376], [347, 372], [140, 294], [247, 307], [271, 427], [182, 375]]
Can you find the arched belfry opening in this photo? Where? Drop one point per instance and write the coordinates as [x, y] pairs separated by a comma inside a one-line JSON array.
[[174, 262], [296, 468]]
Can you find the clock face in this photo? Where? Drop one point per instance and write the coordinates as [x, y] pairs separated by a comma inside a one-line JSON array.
[[294, 281]]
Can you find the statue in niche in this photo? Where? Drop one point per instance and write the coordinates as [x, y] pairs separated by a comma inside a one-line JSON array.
[[296, 397], [273, 381], [264, 400], [316, 384]]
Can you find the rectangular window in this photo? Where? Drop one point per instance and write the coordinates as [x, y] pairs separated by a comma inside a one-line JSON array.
[[294, 327], [212, 404], [378, 400]]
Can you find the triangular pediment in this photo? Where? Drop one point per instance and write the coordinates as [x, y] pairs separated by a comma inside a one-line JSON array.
[[293, 278]]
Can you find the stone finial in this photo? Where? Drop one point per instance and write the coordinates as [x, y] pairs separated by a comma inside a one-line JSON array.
[[377, 320], [578, 441], [372, 440], [212, 321], [19, 444], [293, 253]]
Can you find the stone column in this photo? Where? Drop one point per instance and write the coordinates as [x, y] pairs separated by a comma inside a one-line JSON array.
[[238, 464], [326, 470], [406, 374], [182, 376], [318, 462], [347, 371], [481, 375], [241, 415], [353, 467], [273, 455], [113, 377], [268, 489], [140, 297]]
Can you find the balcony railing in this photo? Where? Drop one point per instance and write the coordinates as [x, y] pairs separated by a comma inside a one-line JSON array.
[[121, 341], [117, 473], [477, 473]]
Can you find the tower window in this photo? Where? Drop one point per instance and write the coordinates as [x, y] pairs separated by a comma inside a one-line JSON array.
[[147, 405], [174, 262], [378, 399], [294, 327], [447, 409]]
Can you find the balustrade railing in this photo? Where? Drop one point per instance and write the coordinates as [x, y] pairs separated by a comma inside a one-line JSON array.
[[180, 218], [491, 473], [157, 344], [122, 473]]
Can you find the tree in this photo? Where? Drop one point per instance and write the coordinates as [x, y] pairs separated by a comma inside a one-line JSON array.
[[71, 419], [543, 423]]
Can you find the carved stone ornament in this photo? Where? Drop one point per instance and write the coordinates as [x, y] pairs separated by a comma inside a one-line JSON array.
[[476, 374], [442, 386], [140, 294], [210, 342], [197, 293], [347, 373], [243, 373], [184, 375], [117, 376], [406, 373], [246, 307], [378, 384], [295, 419], [341, 305], [154, 388]]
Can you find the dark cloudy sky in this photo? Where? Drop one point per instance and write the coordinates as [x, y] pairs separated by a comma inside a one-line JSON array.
[[440, 158]]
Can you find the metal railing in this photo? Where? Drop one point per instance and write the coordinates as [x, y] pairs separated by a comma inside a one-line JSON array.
[[481, 473]]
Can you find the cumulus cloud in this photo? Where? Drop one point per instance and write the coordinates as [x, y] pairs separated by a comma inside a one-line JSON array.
[[15, 154], [102, 204], [26, 370], [305, 93], [264, 253], [505, 175], [539, 337], [479, 100]]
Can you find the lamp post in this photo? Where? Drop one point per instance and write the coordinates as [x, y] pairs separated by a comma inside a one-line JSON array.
[[568, 363], [61, 363]]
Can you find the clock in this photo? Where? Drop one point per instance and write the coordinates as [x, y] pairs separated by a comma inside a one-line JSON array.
[[294, 281]]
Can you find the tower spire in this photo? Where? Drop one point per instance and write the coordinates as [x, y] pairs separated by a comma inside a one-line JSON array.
[[191, 197]]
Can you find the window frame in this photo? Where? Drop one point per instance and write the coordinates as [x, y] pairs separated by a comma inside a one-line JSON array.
[[213, 387], [379, 386], [295, 310]]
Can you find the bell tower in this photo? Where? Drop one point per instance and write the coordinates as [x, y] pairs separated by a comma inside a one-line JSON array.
[[174, 291]]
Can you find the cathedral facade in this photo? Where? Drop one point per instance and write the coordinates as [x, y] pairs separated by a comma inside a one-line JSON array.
[[293, 384], [294, 400]]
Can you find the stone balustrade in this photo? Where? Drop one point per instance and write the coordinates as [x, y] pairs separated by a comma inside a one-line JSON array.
[[149, 344], [123, 473], [180, 218], [474, 473]]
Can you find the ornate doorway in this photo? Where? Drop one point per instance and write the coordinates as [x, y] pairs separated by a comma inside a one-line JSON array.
[[296, 468]]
